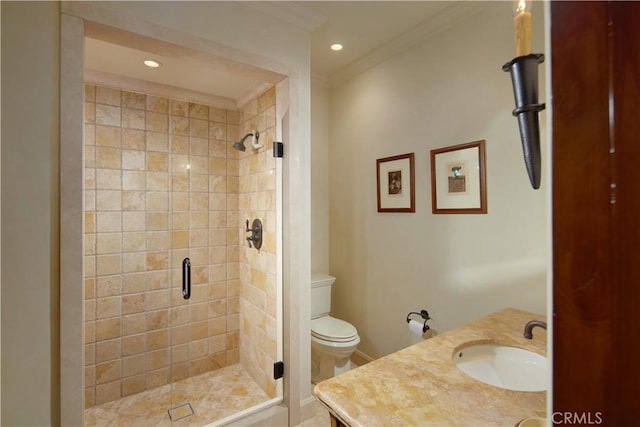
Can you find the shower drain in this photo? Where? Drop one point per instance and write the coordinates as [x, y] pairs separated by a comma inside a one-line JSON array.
[[180, 412]]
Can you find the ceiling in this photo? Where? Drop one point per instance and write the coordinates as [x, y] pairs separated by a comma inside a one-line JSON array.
[[369, 30]]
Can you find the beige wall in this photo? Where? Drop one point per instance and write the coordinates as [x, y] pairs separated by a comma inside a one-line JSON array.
[[145, 211], [319, 176], [258, 286], [448, 90], [30, 144]]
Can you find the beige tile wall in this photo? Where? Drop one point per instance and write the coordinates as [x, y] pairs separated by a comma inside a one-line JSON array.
[[161, 184], [257, 199]]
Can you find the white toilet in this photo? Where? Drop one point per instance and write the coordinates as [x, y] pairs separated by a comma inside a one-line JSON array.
[[332, 340]]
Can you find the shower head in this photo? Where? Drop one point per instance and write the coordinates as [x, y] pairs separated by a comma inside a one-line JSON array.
[[240, 144]]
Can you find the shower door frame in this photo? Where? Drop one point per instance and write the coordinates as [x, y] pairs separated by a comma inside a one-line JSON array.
[[295, 262]]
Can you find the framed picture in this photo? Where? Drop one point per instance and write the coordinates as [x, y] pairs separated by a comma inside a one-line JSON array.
[[458, 179], [396, 183]]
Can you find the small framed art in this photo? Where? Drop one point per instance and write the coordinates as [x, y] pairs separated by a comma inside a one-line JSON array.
[[396, 183], [458, 179]]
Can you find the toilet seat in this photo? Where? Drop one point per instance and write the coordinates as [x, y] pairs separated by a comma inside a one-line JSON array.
[[330, 329]]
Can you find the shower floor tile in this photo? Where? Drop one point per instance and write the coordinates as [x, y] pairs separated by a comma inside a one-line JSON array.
[[213, 396]]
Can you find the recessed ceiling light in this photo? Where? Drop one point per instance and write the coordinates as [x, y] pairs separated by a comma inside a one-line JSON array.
[[151, 63], [336, 47]]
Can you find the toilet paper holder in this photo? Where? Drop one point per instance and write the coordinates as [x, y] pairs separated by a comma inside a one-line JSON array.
[[424, 314]]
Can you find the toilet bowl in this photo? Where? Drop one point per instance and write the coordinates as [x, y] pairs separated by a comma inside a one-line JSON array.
[[332, 340]]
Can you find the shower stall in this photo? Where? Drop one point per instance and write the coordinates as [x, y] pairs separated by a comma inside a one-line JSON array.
[[182, 316], [149, 183]]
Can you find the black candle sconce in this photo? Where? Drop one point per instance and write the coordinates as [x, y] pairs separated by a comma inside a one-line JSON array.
[[524, 77]]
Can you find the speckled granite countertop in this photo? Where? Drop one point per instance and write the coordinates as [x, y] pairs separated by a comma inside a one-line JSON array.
[[421, 386]]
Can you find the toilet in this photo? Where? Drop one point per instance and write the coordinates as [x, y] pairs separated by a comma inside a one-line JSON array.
[[332, 340]]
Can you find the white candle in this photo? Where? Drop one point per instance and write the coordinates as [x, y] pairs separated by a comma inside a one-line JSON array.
[[522, 28]]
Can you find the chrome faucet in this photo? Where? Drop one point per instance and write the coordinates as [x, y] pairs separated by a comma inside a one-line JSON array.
[[532, 324]]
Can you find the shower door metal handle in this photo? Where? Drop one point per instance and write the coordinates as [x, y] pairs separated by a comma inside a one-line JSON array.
[[186, 278]]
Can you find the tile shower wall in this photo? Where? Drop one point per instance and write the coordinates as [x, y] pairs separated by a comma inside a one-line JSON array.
[[257, 199], [161, 184]]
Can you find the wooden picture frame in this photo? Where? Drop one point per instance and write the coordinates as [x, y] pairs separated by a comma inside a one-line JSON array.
[[396, 183], [458, 179]]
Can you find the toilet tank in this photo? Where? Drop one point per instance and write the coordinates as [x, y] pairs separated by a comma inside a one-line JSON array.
[[321, 294]]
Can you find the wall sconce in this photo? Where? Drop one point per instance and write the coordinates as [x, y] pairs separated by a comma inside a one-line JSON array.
[[524, 77]]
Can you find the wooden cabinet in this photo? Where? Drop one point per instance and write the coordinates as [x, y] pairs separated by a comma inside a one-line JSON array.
[[596, 209]]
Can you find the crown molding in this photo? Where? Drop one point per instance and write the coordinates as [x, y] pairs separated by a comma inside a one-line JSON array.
[[252, 93], [290, 12], [158, 89], [427, 29]]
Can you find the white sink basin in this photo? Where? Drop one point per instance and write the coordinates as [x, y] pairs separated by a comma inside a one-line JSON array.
[[502, 366]]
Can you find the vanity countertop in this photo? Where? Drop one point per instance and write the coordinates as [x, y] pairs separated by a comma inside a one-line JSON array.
[[421, 386]]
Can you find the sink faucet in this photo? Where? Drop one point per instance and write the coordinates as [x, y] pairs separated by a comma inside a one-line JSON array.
[[532, 324]]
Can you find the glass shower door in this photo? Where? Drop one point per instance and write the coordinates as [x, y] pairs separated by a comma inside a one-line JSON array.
[[189, 256], [224, 338], [180, 291]]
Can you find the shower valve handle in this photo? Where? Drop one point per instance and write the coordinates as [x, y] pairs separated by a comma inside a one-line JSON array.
[[256, 233]]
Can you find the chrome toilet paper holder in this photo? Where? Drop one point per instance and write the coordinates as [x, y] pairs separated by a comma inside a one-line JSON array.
[[424, 314]]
